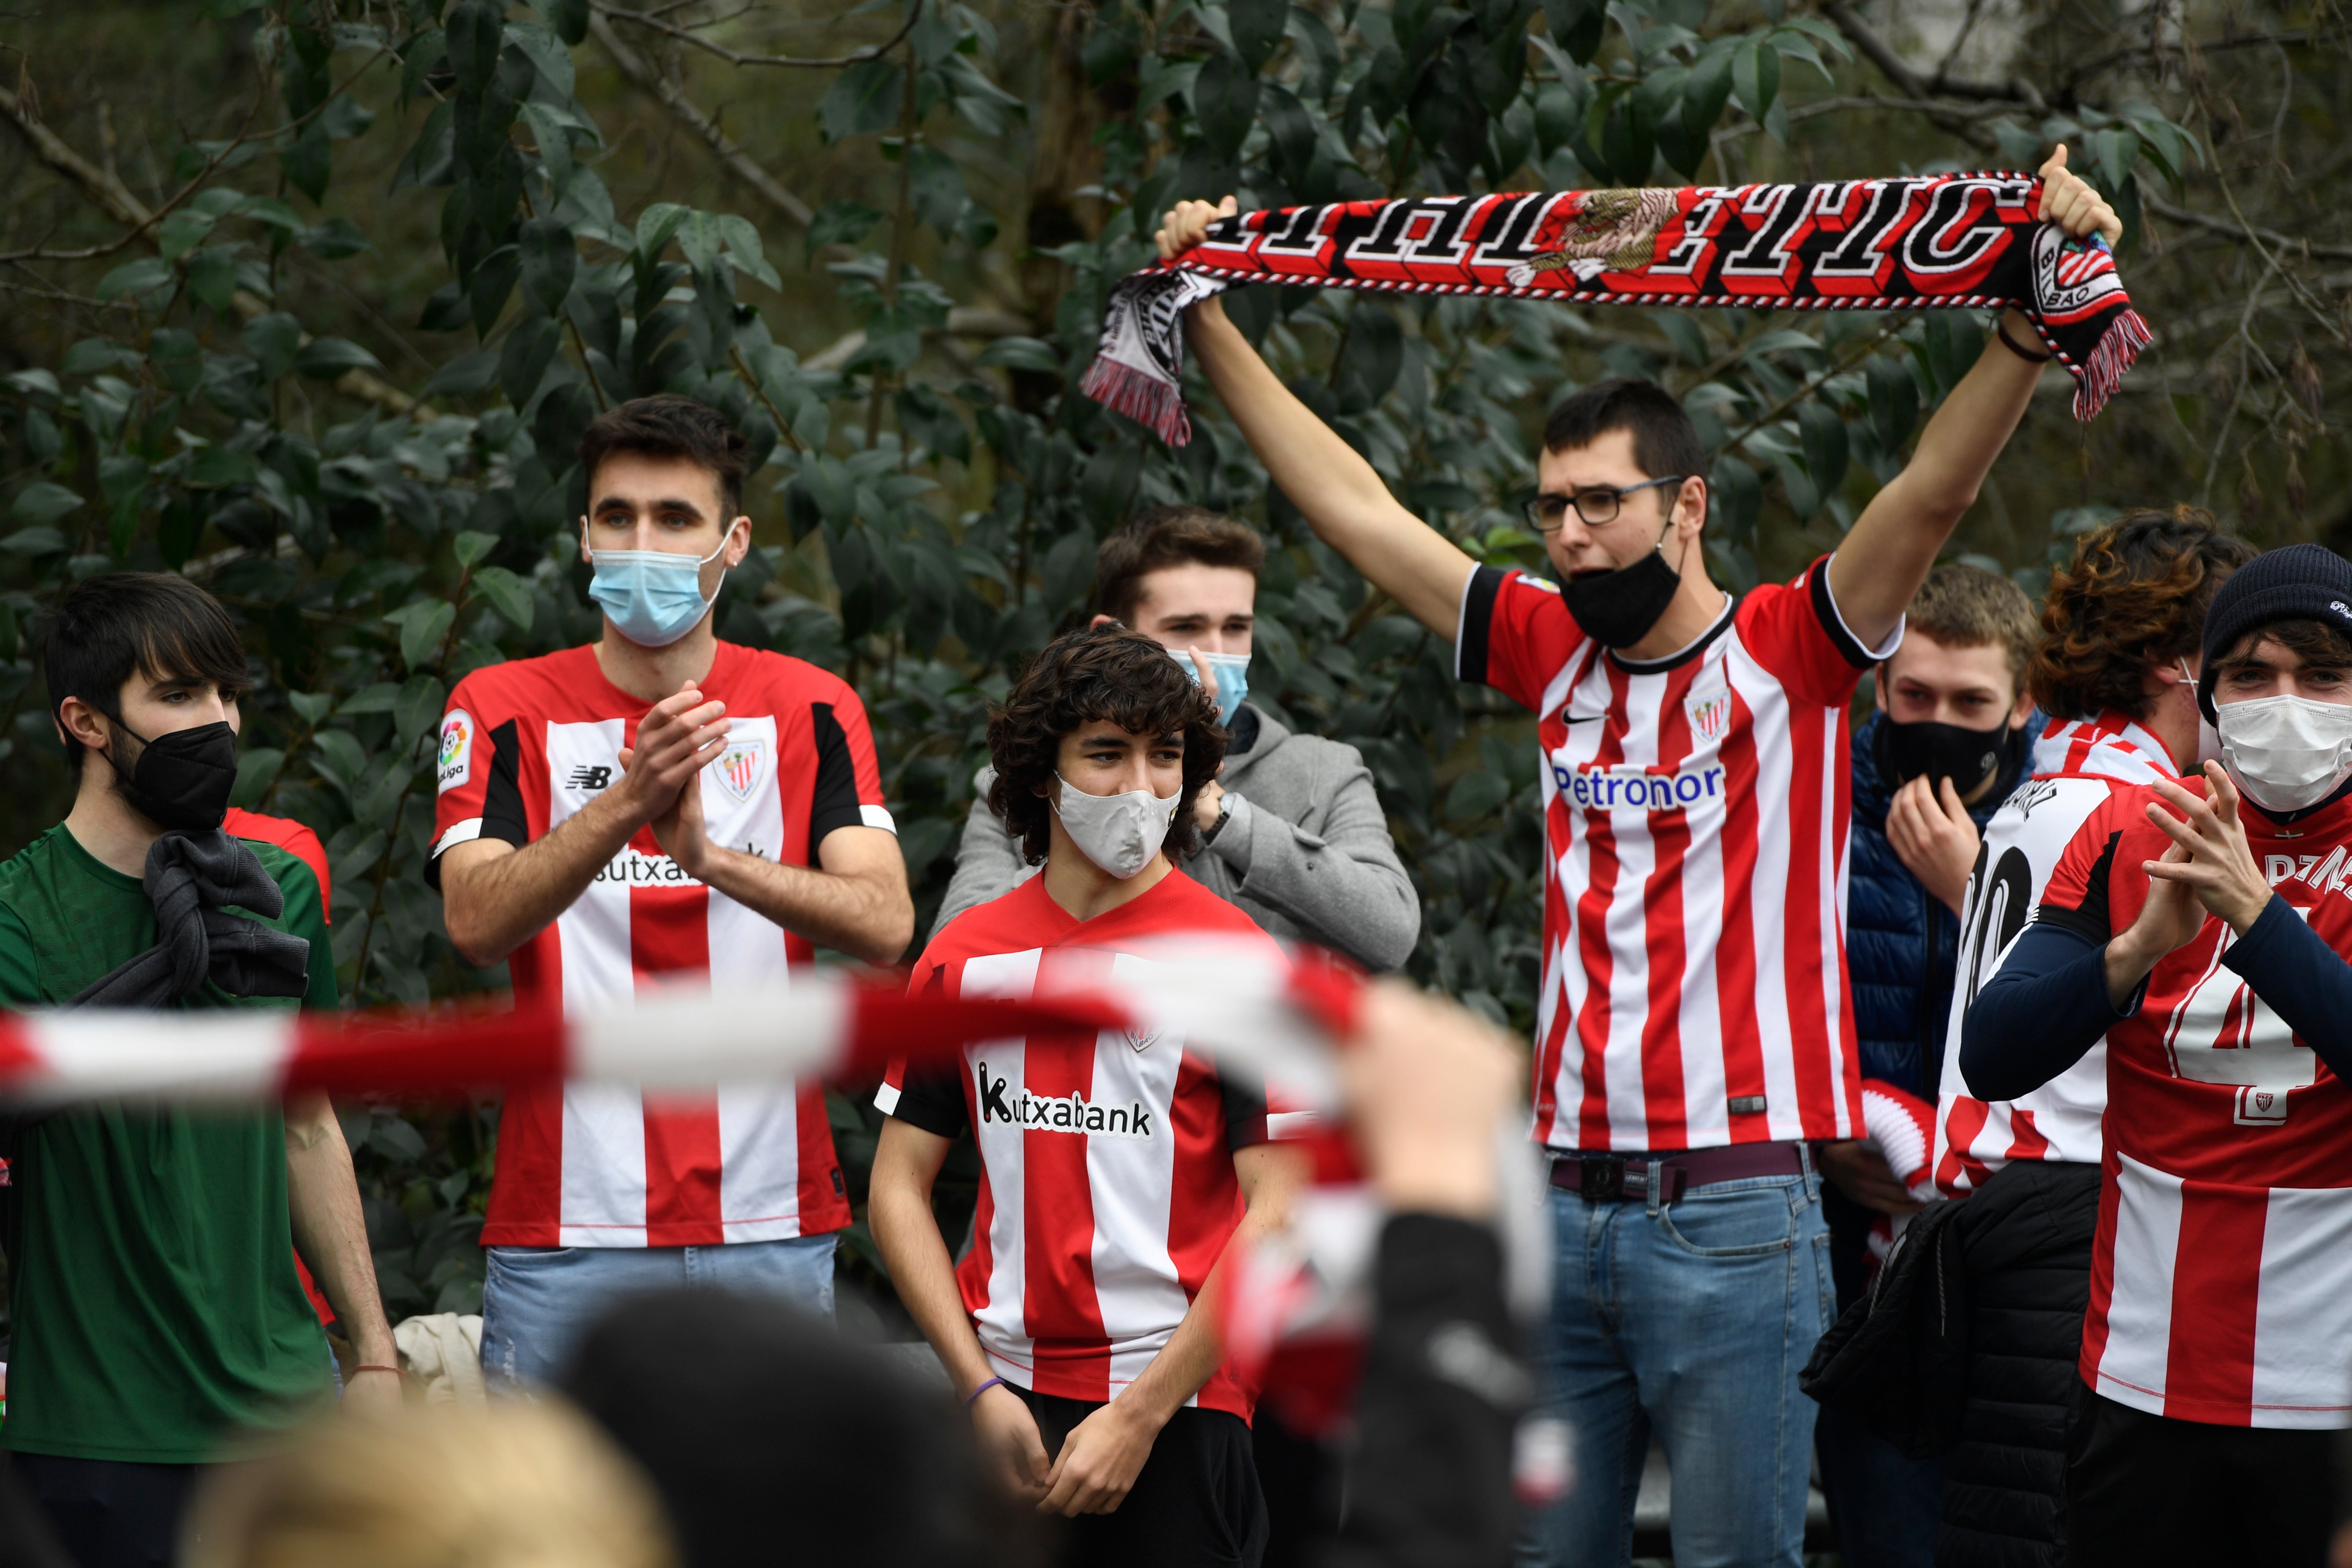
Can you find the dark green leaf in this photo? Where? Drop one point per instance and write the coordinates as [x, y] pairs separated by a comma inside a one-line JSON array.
[[568, 17], [34, 541], [1475, 794], [325, 359], [464, 375], [1755, 77], [841, 223], [507, 594], [1894, 401], [1825, 437], [39, 502], [421, 627], [473, 32], [522, 362], [936, 187], [417, 705], [1257, 27], [273, 340], [864, 100], [257, 768], [141, 276], [1576, 25], [1224, 102], [493, 281], [1022, 354], [309, 162], [1738, 496], [548, 259]]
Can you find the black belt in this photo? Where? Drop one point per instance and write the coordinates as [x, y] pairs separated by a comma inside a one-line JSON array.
[[1609, 1178]]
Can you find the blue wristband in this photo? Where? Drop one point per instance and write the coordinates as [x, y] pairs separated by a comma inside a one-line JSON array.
[[974, 1396]]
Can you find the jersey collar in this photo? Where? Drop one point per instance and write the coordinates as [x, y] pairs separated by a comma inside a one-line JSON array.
[[1685, 654]]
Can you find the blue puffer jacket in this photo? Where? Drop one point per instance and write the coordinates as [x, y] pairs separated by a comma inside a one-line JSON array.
[[1900, 939]]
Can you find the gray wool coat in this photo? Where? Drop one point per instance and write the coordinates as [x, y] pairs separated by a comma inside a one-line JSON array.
[[1305, 850]]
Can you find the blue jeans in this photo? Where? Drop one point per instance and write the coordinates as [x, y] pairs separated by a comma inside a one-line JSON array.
[[538, 1300], [1692, 1319]]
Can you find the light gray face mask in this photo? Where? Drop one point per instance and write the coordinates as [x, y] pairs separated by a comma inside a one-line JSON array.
[[1120, 833], [2286, 753]]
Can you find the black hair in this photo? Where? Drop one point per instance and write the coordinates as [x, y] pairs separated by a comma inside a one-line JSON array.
[[667, 424], [119, 625], [1666, 442], [1105, 673]]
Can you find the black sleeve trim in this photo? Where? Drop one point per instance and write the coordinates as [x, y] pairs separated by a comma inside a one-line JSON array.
[[833, 802], [1825, 611], [2089, 920], [932, 1099], [502, 813], [1470, 639], [1244, 1114]]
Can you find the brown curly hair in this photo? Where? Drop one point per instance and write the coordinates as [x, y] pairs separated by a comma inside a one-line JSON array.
[[1100, 674], [2134, 597]]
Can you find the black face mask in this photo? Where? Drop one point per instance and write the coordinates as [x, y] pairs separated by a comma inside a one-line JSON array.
[[182, 780], [1967, 757], [1617, 609]]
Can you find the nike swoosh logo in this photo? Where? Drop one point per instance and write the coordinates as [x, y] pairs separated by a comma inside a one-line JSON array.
[[1567, 718]]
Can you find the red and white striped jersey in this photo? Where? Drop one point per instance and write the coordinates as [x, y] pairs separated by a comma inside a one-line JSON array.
[[1693, 989], [1107, 1187], [2077, 765], [2221, 1277], [525, 746]]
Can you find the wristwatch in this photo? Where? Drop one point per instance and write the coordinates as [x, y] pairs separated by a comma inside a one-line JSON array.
[[1224, 810]]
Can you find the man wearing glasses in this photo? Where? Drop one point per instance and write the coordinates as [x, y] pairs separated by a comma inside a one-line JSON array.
[[1693, 1035]]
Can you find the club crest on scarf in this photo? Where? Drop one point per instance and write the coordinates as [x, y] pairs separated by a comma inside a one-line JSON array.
[[739, 766], [1951, 241]]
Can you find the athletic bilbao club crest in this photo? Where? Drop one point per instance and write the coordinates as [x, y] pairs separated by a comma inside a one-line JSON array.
[[1140, 1040], [1709, 714], [739, 767]]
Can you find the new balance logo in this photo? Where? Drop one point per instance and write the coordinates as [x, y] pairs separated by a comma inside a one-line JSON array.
[[585, 777], [1073, 1114]]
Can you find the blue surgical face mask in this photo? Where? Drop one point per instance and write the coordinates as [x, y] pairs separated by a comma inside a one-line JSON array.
[[1232, 670], [652, 596]]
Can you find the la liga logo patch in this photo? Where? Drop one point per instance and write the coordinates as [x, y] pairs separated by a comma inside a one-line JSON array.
[[457, 760]]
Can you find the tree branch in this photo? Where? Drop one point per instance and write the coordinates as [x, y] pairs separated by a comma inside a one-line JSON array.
[[1876, 50], [2290, 244], [114, 198], [687, 36], [640, 71]]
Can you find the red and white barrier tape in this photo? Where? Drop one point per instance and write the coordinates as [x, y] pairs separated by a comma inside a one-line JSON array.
[[1224, 1002]]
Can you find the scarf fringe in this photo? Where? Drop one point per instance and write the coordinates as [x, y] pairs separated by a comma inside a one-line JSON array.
[[1141, 396], [2118, 348]]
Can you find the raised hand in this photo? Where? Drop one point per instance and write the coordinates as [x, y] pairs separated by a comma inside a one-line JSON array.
[[1187, 224], [2216, 863], [2069, 201], [1934, 836], [676, 739]]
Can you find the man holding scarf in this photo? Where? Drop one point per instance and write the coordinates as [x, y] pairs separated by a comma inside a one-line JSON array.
[[157, 1314], [1695, 1038]]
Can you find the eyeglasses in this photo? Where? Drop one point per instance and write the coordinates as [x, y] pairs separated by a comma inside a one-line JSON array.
[[1596, 506]]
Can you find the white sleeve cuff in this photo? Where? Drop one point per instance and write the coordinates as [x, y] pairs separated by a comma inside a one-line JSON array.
[[876, 817], [468, 829], [1894, 638]]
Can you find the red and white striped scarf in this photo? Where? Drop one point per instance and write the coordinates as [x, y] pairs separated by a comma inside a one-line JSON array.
[[1959, 241]]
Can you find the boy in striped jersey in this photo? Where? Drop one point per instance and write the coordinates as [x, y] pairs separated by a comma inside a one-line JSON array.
[[2116, 666], [1114, 1169], [2200, 930], [1694, 1032]]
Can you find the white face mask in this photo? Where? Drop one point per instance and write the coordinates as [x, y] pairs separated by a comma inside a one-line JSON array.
[[2286, 753], [1120, 833]]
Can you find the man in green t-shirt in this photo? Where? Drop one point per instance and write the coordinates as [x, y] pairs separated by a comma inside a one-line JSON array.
[[157, 1312]]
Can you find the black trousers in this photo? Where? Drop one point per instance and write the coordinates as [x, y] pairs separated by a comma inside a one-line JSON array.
[[2027, 1236], [111, 1513], [1196, 1503], [2148, 1491]]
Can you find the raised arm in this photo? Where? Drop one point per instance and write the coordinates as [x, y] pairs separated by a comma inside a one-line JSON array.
[[1892, 545], [1329, 480]]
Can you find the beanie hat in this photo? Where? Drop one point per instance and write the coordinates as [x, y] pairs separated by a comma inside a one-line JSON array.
[[2300, 583]]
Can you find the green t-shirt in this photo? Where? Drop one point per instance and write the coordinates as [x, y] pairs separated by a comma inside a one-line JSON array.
[[155, 1304]]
